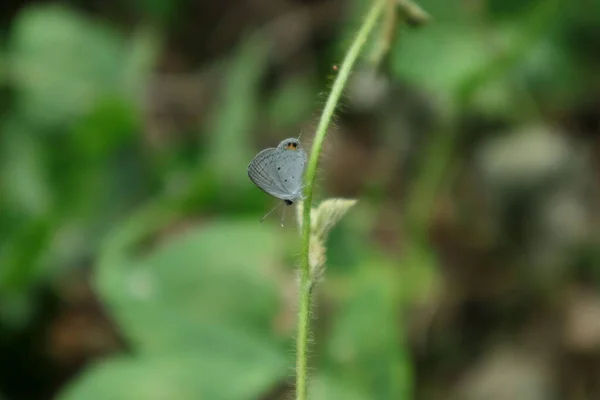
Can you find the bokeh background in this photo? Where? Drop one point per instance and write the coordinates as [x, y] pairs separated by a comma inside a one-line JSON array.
[[132, 261]]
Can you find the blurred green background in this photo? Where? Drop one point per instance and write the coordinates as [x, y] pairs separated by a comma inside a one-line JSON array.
[[132, 261]]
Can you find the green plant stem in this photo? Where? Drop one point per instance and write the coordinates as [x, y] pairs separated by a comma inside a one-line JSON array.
[[305, 289]]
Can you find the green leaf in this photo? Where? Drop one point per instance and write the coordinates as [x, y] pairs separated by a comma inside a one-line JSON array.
[[20, 255], [139, 60], [230, 148], [24, 182], [325, 387], [364, 346], [440, 57], [418, 278], [62, 63], [107, 127], [214, 373], [220, 273], [198, 310]]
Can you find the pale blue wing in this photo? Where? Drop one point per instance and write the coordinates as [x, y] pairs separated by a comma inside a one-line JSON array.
[[262, 172], [290, 166]]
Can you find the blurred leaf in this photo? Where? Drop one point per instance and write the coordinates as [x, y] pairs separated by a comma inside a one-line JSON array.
[[16, 309], [20, 255], [159, 10], [345, 249], [509, 8], [364, 346], [419, 276], [209, 292], [139, 61], [213, 373], [552, 77], [350, 243], [25, 183], [21, 266], [325, 388], [220, 273], [292, 103], [455, 59], [440, 57], [235, 114], [110, 124], [61, 63], [512, 42]]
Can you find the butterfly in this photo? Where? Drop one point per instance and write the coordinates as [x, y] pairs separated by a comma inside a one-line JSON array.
[[279, 172]]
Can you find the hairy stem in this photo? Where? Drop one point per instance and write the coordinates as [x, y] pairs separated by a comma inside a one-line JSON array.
[[305, 289]]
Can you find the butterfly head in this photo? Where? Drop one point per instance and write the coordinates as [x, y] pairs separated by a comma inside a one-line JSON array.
[[289, 144]]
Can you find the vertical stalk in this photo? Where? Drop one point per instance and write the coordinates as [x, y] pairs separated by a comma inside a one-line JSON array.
[[305, 289]]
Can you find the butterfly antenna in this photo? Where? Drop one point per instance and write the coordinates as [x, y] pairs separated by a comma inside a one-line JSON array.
[[270, 211]]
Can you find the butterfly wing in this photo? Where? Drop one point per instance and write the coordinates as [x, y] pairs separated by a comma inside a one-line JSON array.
[[263, 173], [290, 166]]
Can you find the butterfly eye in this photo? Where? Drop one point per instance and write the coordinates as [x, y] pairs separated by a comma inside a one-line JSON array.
[[294, 145]]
